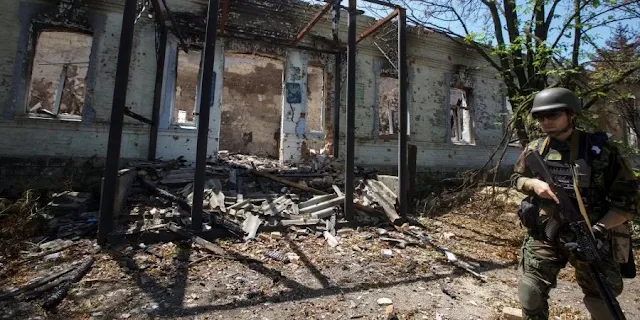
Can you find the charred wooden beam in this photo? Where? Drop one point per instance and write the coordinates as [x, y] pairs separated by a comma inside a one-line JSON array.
[[312, 23], [138, 117], [160, 16], [225, 14], [377, 25], [176, 27]]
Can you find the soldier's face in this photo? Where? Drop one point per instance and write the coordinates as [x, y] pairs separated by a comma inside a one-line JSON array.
[[553, 122]]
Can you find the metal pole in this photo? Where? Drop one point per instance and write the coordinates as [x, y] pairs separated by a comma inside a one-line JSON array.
[[110, 179], [206, 101], [336, 80], [351, 111], [413, 172], [402, 99], [155, 115]]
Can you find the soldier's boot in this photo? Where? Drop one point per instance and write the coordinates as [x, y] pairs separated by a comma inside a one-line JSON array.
[[597, 308], [533, 299]]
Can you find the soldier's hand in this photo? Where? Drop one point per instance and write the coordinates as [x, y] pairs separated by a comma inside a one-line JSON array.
[[543, 190]]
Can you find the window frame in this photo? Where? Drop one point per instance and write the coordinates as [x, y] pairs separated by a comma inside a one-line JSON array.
[[459, 138], [55, 113], [318, 134], [34, 17]]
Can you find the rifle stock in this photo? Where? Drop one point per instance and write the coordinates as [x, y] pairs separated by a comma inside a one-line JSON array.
[[587, 244]]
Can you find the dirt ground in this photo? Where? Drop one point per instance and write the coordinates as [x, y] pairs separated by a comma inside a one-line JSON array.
[[178, 280]]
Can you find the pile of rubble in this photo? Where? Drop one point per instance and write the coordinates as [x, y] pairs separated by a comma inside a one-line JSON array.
[[246, 193]]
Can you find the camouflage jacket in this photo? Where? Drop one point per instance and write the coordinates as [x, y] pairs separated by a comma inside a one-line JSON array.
[[611, 174]]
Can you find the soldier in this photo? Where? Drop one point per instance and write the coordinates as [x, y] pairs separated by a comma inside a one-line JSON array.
[[609, 192]]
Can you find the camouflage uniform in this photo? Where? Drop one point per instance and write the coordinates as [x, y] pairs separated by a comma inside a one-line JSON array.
[[542, 260]]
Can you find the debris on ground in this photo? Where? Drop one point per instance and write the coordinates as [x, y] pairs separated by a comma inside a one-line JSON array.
[[275, 243], [509, 313]]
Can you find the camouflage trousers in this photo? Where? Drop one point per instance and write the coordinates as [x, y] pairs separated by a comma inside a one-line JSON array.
[[540, 264]]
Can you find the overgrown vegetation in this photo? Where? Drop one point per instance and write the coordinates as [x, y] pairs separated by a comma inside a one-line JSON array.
[[20, 220]]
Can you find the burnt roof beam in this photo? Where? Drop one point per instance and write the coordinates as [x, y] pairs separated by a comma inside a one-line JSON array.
[[159, 13], [225, 14], [312, 23], [175, 26], [377, 25]]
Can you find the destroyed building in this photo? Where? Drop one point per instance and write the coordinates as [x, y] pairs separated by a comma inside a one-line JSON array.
[[58, 75]]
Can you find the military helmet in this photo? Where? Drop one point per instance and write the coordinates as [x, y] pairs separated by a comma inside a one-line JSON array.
[[556, 99]]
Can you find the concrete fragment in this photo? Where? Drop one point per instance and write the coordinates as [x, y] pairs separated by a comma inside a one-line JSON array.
[[123, 186], [239, 204], [384, 301], [509, 313], [316, 200], [399, 242], [331, 224], [337, 190], [299, 222], [250, 225], [292, 257], [325, 213], [320, 206], [387, 253], [69, 202], [217, 201], [331, 240]]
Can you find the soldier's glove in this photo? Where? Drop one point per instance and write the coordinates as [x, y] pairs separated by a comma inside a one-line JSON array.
[[582, 253]]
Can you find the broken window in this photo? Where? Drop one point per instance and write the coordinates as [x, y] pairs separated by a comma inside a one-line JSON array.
[[251, 114], [187, 76], [460, 117], [59, 71], [315, 99], [389, 115]]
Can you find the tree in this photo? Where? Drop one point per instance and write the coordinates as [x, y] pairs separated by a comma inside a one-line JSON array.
[[621, 53], [533, 44]]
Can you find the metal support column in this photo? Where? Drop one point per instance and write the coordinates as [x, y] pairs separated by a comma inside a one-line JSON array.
[[413, 173], [351, 111], [206, 102], [110, 178], [336, 80], [402, 99], [155, 114]]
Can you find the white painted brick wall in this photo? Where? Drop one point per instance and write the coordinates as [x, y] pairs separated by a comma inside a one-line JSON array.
[[431, 56], [9, 35]]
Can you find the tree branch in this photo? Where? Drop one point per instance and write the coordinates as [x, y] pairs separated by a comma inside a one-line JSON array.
[[607, 86], [576, 34]]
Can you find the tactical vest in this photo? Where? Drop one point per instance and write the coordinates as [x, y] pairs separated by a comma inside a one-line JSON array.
[[581, 153]]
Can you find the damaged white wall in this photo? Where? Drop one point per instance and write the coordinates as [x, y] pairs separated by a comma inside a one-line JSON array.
[[432, 63]]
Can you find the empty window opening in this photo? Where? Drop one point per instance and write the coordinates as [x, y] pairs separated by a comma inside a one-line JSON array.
[[58, 76], [315, 99], [388, 112], [460, 117], [187, 76], [251, 105]]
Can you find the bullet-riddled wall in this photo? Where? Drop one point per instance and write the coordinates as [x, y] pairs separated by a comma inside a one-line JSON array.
[[436, 64]]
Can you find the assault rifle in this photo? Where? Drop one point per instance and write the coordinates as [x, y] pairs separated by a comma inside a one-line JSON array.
[[587, 244]]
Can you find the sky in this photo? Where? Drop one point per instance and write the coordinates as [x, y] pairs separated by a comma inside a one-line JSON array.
[[600, 35]]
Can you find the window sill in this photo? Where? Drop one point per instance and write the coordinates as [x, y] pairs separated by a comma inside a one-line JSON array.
[[388, 137], [464, 143], [59, 118], [185, 126], [314, 135]]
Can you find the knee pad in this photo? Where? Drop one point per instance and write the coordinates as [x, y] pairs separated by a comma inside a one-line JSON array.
[[530, 294]]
